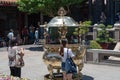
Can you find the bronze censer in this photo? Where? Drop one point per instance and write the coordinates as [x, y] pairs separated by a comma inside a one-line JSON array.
[[58, 28]]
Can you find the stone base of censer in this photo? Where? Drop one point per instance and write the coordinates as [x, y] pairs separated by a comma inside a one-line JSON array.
[[59, 76]]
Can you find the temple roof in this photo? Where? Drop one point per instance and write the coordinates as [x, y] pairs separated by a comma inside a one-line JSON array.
[[8, 1]]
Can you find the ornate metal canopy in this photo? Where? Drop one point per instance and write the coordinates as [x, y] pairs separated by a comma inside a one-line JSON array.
[[62, 20], [59, 20]]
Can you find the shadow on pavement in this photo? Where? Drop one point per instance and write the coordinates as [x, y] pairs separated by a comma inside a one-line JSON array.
[[35, 48], [85, 77]]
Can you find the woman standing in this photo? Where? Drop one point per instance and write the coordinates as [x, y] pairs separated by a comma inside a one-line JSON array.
[[25, 34], [36, 36], [65, 52], [12, 53]]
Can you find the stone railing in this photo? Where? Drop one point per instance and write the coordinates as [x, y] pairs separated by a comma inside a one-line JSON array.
[[115, 29], [97, 55]]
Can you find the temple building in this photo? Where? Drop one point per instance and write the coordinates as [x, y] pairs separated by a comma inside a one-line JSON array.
[[110, 8], [107, 11], [10, 17]]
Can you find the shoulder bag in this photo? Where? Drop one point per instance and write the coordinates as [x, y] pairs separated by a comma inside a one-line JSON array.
[[70, 66]]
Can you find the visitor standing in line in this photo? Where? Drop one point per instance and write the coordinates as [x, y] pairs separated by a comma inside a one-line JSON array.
[[31, 33], [25, 34], [10, 36], [36, 36]]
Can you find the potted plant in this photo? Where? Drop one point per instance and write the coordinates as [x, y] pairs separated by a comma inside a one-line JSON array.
[[103, 36]]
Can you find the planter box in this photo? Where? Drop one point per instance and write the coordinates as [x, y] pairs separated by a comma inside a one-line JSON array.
[[111, 46], [104, 45]]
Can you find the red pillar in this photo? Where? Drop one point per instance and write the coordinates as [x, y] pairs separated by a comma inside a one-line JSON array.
[[20, 22]]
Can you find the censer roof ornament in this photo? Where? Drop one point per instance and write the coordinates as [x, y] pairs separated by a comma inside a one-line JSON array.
[[61, 12], [59, 20]]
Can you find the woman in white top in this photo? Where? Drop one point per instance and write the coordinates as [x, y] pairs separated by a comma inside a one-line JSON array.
[[10, 36], [36, 36], [64, 51]]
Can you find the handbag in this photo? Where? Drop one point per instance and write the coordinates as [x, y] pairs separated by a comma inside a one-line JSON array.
[[19, 62], [70, 66]]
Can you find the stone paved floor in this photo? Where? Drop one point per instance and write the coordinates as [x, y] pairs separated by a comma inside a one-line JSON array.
[[35, 69]]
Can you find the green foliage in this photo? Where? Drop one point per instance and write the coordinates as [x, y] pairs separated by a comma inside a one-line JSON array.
[[83, 28], [47, 7], [109, 26], [30, 6], [94, 45], [103, 34], [102, 26]]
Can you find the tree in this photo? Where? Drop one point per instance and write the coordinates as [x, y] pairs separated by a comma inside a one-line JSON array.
[[47, 7], [82, 29]]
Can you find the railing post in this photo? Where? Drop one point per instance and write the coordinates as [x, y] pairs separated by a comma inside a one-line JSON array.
[[95, 31], [117, 31]]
